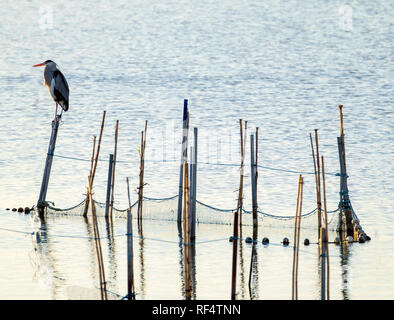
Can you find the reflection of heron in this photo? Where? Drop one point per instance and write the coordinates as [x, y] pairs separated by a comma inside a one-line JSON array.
[[56, 83]]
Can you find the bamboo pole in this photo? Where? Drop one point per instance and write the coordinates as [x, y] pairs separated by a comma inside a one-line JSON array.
[[240, 193], [297, 226], [186, 204], [317, 190], [113, 168], [186, 229], [194, 186], [91, 165], [141, 175], [255, 179], [185, 132], [237, 213], [109, 183], [326, 229], [323, 265], [91, 179], [319, 209], [103, 285], [130, 253], [103, 289], [253, 185], [342, 133]]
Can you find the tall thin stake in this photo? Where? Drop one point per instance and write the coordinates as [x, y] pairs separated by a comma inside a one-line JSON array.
[[141, 176], [237, 213], [93, 172], [41, 204], [297, 225], [319, 209], [130, 255], [253, 185], [113, 168], [317, 190], [326, 229], [109, 183], [185, 133]]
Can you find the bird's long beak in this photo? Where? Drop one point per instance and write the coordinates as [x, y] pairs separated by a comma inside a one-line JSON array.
[[39, 65]]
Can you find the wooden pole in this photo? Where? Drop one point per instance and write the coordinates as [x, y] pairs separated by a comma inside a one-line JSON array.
[[91, 167], [326, 229], [317, 190], [103, 285], [109, 183], [240, 193], [319, 209], [186, 204], [237, 213], [141, 176], [255, 181], [253, 185], [130, 253], [323, 267], [297, 226], [183, 157], [186, 229], [41, 204], [95, 227], [342, 192], [342, 133], [91, 178], [194, 186], [113, 168], [345, 207]]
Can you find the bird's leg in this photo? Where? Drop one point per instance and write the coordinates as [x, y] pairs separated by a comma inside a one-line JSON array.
[[56, 110]]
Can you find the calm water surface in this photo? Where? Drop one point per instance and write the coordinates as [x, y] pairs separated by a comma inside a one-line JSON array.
[[283, 66]]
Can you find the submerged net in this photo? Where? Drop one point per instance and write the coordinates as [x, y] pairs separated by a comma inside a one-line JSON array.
[[165, 209]]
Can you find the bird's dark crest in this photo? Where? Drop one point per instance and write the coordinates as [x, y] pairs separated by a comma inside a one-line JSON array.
[[48, 61]]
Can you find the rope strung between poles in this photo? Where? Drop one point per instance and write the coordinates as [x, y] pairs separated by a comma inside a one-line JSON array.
[[202, 163]]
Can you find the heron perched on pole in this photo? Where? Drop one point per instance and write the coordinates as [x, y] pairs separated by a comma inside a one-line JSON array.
[[56, 83]]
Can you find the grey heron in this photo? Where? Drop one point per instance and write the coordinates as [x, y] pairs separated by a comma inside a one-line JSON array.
[[56, 83]]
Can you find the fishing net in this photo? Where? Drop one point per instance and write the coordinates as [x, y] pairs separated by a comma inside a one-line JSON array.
[[165, 209]]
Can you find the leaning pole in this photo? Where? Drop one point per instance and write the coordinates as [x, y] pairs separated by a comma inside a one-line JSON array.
[[41, 203]]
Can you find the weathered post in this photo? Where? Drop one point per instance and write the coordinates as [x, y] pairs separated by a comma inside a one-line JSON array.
[[346, 225], [317, 183], [323, 264], [130, 267], [297, 226], [93, 169], [237, 213], [194, 186], [254, 187], [109, 183], [326, 229], [185, 132], [141, 176], [113, 168], [41, 204]]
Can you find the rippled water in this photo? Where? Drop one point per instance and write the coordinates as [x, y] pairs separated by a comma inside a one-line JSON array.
[[283, 66]]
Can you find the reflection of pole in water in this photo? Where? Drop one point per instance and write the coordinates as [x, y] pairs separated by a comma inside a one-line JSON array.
[[344, 264], [111, 253], [45, 255], [186, 260], [187, 265], [242, 267], [142, 267], [253, 275], [193, 269], [93, 261], [182, 273]]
